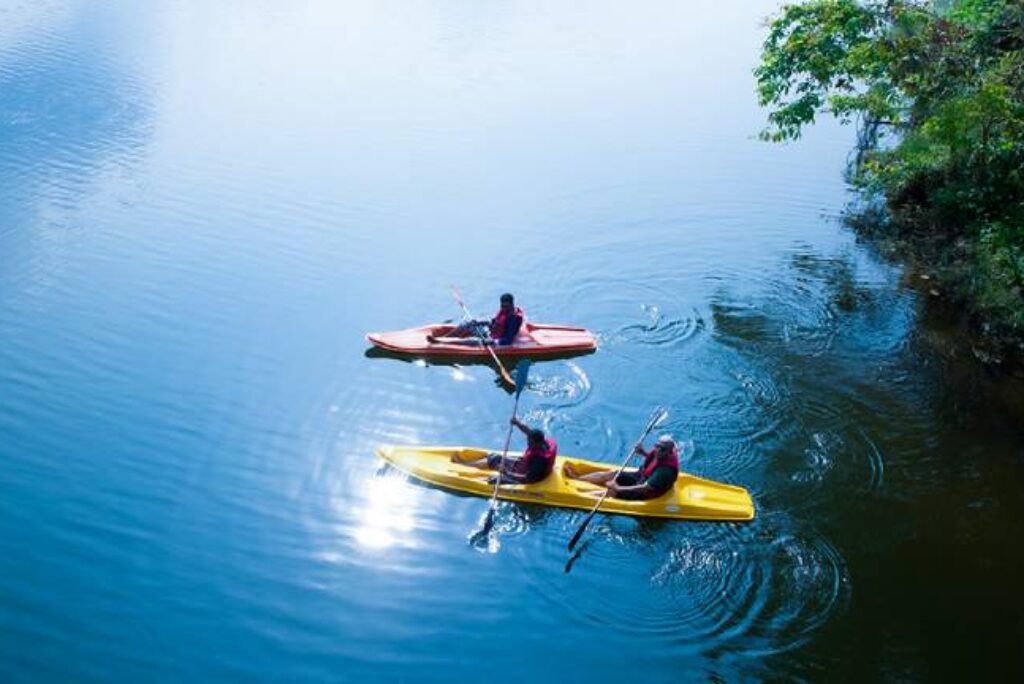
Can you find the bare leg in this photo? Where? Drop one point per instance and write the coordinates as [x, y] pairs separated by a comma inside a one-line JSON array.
[[441, 334], [475, 463], [464, 333], [600, 477]]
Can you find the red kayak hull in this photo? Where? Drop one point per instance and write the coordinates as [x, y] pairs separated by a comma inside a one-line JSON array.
[[536, 339]]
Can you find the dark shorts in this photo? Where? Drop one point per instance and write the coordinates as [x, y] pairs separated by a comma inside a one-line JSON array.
[[630, 479], [493, 460], [472, 330], [535, 471], [627, 479]]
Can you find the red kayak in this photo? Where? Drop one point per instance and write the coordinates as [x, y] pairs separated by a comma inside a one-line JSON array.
[[535, 339]]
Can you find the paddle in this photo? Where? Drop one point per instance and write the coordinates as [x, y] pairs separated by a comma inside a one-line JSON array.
[[657, 416], [522, 370], [483, 340]]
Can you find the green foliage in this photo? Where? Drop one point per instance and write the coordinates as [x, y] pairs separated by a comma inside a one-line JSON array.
[[822, 55], [943, 82], [998, 279]]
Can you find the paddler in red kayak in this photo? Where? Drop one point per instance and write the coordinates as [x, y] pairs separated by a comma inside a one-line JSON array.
[[500, 330], [534, 465], [655, 477]]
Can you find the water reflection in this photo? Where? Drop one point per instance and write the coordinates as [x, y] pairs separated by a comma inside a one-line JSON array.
[[74, 107], [386, 512]]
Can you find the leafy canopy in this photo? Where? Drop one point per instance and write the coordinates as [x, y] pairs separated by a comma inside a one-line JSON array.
[[937, 89]]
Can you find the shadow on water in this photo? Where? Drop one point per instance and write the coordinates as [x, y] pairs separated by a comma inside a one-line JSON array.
[[866, 416], [441, 360], [457, 362]]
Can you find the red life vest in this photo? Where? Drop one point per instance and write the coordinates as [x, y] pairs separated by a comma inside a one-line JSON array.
[[545, 453], [500, 321], [652, 461]]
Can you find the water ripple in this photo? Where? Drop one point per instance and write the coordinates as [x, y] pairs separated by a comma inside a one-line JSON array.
[[643, 312], [563, 385], [708, 588]]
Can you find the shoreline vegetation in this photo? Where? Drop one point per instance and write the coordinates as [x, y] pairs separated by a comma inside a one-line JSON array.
[[936, 90]]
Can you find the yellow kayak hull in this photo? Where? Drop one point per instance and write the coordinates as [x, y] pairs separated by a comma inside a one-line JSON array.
[[692, 498]]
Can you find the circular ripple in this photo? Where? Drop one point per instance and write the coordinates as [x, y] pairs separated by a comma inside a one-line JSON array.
[[828, 451], [795, 317], [658, 329], [741, 423], [564, 384], [588, 431], [707, 587], [640, 312]]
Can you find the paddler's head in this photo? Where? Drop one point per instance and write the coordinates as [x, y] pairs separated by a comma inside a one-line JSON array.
[[535, 438], [507, 302], [665, 445]]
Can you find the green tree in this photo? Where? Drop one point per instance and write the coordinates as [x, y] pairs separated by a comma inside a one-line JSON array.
[[937, 92]]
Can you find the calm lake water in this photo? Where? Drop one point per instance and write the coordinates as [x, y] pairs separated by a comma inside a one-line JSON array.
[[205, 206]]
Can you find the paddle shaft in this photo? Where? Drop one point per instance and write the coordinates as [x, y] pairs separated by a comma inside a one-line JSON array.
[[522, 371], [504, 454], [483, 341], [590, 516]]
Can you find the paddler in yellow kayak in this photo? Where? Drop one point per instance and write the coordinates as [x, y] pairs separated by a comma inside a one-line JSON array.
[[534, 465], [500, 330], [654, 478]]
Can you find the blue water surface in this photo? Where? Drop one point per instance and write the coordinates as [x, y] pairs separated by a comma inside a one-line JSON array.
[[205, 206]]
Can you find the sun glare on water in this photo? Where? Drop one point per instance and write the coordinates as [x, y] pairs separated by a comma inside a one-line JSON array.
[[386, 518]]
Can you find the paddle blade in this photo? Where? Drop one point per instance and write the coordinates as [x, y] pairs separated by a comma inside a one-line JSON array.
[[486, 528], [579, 533], [488, 524], [657, 418], [575, 557], [520, 374]]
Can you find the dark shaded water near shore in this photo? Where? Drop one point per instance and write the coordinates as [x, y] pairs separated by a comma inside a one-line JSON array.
[[204, 209]]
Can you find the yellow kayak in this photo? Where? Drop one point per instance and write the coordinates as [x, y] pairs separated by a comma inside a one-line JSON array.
[[692, 498]]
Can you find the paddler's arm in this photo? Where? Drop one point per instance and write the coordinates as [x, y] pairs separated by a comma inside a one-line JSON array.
[[523, 427], [632, 491], [635, 490]]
